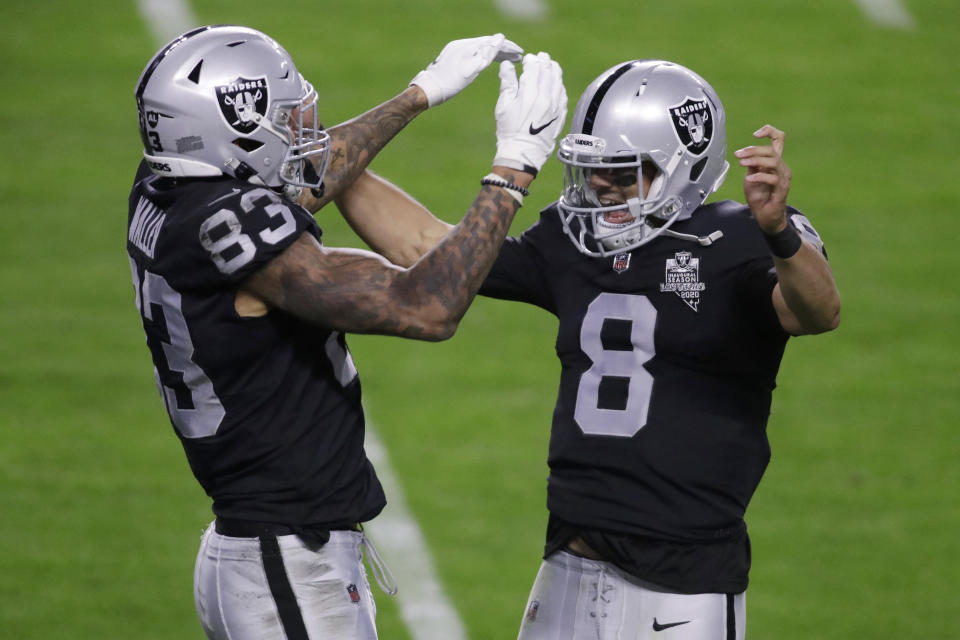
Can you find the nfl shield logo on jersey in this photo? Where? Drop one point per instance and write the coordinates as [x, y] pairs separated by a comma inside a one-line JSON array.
[[243, 103], [683, 278], [621, 262], [693, 124], [532, 610]]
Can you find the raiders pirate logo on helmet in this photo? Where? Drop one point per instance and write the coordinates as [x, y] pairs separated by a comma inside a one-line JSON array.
[[243, 102], [693, 124]]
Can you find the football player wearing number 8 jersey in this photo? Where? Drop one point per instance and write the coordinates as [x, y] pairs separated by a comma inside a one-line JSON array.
[[673, 317], [244, 309]]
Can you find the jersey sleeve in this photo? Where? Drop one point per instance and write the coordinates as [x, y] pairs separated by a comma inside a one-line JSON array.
[[758, 277], [244, 231], [755, 282], [807, 232], [517, 273]]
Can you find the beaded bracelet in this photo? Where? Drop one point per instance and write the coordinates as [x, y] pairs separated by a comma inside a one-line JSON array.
[[514, 190], [785, 243]]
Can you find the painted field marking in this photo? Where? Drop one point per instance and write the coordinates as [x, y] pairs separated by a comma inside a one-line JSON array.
[[888, 13], [167, 19], [532, 10], [424, 606]]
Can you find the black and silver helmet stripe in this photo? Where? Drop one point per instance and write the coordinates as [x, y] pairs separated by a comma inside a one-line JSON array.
[[152, 67], [163, 54], [591, 114]]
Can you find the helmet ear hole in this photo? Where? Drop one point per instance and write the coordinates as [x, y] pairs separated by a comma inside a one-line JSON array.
[[247, 144], [697, 169]]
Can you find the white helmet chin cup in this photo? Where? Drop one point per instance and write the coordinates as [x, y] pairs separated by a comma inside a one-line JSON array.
[[642, 111], [615, 237], [229, 100]]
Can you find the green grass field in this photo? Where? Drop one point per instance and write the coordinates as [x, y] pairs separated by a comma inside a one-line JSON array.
[[855, 527]]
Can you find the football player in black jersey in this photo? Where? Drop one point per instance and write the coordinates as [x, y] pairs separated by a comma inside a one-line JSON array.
[[244, 309], [673, 316]]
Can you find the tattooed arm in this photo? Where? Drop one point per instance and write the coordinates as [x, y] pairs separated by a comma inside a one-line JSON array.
[[354, 143], [359, 292], [398, 227]]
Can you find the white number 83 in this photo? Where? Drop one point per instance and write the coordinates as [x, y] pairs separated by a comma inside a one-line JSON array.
[[245, 249]]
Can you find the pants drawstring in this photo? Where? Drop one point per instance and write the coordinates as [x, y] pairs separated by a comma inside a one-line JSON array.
[[381, 572]]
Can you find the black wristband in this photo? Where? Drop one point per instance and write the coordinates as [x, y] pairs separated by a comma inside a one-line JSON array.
[[501, 182], [785, 243]]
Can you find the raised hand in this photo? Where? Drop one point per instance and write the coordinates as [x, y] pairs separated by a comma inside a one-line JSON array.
[[767, 181], [530, 113], [460, 62]]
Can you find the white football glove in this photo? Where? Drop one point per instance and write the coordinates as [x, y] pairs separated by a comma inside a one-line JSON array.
[[530, 113], [460, 62]]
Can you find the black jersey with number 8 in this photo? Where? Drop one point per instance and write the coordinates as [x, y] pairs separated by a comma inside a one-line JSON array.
[[669, 355]]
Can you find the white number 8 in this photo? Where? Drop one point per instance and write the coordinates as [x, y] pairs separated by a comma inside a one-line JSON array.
[[626, 422]]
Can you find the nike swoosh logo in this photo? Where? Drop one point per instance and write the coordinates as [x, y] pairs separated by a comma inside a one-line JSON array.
[[535, 130], [660, 627]]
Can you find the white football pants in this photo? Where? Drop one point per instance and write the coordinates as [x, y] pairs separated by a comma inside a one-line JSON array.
[[278, 588], [574, 598]]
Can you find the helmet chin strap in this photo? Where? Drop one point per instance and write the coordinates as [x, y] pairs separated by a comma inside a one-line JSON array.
[[704, 241], [633, 232], [243, 171], [629, 236]]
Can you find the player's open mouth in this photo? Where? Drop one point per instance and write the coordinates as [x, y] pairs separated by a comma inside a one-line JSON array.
[[619, 216]]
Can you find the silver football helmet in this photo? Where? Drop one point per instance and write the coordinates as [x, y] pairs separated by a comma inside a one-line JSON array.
[[229, 100], [641, 112]]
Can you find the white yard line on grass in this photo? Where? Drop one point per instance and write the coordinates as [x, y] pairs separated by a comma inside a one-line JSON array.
[[522, 9], [423, 604], [166, 19], [888, 13]]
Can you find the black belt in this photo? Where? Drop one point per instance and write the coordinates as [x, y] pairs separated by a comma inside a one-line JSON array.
[[252, 529]]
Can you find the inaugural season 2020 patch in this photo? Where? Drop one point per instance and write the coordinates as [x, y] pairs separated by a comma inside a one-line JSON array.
[[682, 276]]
